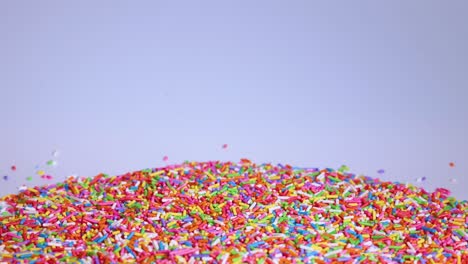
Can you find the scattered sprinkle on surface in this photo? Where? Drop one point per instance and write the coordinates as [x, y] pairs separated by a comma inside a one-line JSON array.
[[228, 212]]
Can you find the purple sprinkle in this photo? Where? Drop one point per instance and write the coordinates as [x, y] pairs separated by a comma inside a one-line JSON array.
[[381, 171], [5, 177]]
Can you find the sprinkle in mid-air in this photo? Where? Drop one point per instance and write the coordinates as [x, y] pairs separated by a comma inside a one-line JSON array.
[[51, 163], [13, 168], [421, 179], [5, 177], [46, 176], [165, 158], [225, 146], [452, 164], [381, 171]]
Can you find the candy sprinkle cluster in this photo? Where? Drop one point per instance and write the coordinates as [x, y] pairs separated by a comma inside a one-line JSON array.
[[223, 212]]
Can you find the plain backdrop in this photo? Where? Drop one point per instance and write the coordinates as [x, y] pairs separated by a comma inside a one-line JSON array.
[[114, 86]]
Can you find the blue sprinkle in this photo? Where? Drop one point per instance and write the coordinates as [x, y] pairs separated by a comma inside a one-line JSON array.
[[130, 235], [432, 230], [129, 250], [101, 239]]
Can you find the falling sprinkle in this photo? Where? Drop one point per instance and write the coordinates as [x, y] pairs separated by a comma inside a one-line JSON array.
[[453, 180], [46, 176], [13, 168], [40, 172], [55, 153], [452, 164], [5, 177], [165, 158], [51, 163], [225, 146], [29, 178], [421, 179], [381, 171]]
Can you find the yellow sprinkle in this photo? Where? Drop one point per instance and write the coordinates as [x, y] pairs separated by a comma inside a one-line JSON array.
[[156, 173], [40, 172]]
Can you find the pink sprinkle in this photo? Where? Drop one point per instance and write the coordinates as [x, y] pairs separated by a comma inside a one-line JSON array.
[[13, 168], [94, 221], [183, 251], [165, 158], [225, 146]]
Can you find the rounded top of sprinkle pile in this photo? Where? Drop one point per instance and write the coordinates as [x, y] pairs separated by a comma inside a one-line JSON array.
[[229, 212]]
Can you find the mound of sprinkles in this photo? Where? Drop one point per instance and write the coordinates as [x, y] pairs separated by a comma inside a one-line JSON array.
[[224, 212]]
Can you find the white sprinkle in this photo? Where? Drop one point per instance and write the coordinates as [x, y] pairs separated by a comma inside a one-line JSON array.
[[333, 252], [225, 258], [274, 208], [305, 194], [306, 248], [215, 242]]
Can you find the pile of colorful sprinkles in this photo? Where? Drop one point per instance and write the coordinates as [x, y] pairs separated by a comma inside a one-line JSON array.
[[224, 212]]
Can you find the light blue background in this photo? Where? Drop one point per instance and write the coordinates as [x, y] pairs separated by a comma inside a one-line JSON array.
[[115, 86]]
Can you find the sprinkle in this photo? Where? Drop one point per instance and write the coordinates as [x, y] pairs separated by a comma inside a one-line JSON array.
[[452, 164], [225, 146], [29, 178], [5, 177], [51, 163], [13, 168], [421, 179], [165, 158], [381, 171]]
